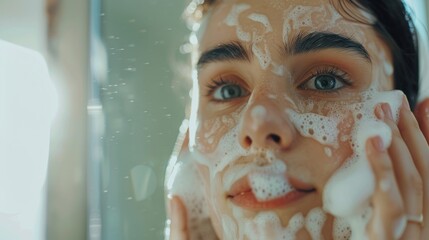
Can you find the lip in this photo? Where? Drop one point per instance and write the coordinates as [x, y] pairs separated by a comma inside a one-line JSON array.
[[241, 194]]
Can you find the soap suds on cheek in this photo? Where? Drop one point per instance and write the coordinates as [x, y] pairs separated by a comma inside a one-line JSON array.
[[209, 132], [321, 128], [348, 191]]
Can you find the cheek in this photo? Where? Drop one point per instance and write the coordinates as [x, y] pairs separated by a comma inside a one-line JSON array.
[[325, 159], [211, 131]]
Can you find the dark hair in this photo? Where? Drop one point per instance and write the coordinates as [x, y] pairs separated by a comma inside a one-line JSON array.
[[394, 25]]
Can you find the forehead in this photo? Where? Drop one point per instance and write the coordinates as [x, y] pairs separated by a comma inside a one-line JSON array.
[[286, 19]]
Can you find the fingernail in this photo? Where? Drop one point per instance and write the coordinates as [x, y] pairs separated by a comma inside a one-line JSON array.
[[379, 112], [405, 103], [377, 143], [387, 111]]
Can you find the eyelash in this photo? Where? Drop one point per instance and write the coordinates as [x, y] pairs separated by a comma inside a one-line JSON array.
[[332, 71], [217, 83]]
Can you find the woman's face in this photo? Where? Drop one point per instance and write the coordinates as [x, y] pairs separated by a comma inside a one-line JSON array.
[[274, 108]]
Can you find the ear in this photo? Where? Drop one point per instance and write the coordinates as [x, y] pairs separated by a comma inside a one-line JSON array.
[[422, 115]]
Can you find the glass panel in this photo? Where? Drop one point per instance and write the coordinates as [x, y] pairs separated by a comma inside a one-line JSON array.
[[139, 96]]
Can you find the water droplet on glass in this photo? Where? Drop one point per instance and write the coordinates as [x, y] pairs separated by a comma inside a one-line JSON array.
[[144, 182]]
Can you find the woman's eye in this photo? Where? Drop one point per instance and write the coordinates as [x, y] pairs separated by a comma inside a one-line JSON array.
[[324, 82], [228, 91]]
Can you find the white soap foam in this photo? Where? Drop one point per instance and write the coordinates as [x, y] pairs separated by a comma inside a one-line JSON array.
[[341, 229], [267, 225], [237, 9], [261, 19], [328, 151], [388, 68], [278, 69], [269, 182], [263, 55], [351, 203], [226, 153], [229, 226], [258, 112], [243, 35], [386, 184], [321, 128], [232, 21], [259, 47], [295, 224], [314, 223], [184, 174], [235, 173]]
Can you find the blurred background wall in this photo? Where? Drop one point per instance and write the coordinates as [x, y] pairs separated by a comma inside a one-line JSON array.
[[117, 68]]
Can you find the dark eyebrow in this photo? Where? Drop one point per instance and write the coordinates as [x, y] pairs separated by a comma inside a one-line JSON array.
[[233, 51], [315, 41]]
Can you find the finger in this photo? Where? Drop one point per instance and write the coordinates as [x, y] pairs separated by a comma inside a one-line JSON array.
[[422, 162], [178, 216], [422, 115], [407, 176], [387, 221]]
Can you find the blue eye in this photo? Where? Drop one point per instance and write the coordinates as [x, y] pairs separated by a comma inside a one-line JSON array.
[[228, 91], [325, 83], [326, 80]]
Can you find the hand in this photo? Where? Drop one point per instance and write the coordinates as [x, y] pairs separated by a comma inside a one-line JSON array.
[[402, 178], [178, 218], [422, 115]]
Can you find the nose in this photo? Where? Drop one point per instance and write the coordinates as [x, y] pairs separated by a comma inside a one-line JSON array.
[[265, 124]]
